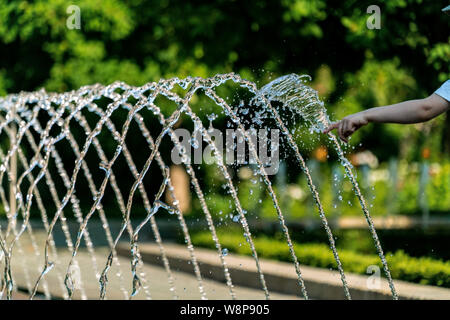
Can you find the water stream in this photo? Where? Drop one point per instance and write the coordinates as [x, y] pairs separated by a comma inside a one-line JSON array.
[[39, 144]]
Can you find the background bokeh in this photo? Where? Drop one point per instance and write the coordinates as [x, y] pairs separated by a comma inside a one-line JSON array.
[[352, 68]]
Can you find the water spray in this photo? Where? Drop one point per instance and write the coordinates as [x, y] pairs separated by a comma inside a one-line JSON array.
[[292, 91]]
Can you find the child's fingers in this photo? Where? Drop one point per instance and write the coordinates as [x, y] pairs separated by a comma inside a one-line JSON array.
[[345, 129], [349, 129], [332, 126], [339, 126], [352, 128], [341, 131]]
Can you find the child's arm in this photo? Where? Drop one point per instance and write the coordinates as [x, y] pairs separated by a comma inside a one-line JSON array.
[[412, 111]]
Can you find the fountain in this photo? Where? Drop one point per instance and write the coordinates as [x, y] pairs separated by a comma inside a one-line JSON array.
[[39, 125], [292, 91]]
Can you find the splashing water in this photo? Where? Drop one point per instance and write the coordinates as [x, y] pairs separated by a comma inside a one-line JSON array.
[[293, 93], [41, 168]]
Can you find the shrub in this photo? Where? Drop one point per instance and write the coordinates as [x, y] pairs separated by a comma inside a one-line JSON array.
[[403, 267]]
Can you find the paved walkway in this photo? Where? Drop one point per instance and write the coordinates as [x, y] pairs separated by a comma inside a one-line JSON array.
[[26, 269], [280, 277]]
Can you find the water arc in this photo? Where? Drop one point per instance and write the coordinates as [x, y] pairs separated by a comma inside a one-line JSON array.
[[37, 145]]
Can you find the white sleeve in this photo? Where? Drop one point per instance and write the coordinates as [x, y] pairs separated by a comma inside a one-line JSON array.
[[444, 90]]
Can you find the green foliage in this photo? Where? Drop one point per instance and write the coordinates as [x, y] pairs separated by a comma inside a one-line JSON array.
[[438, 191], [354, 68], [426, 271], [136, 41], [337, 198]]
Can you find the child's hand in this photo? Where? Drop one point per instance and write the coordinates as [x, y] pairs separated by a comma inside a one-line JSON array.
[[347, 126]]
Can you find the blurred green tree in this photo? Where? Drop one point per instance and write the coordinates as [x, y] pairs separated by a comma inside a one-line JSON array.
[[139, 41]]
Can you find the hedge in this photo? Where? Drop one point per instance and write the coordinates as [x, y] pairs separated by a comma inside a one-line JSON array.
[[422, 270]]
